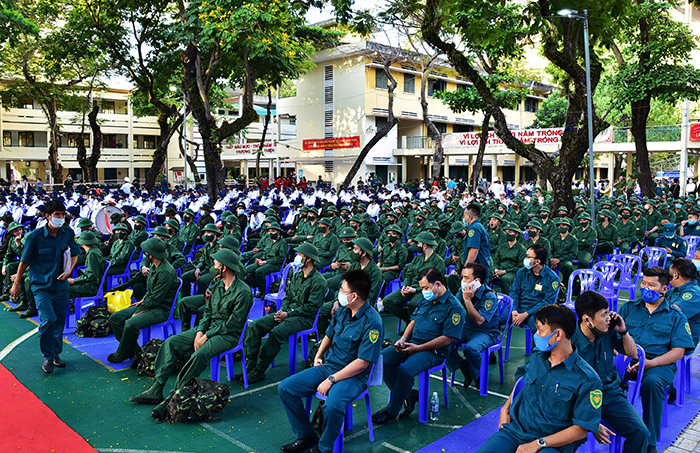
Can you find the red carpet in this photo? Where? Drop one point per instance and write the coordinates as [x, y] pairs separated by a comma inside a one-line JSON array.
[[28, 425]]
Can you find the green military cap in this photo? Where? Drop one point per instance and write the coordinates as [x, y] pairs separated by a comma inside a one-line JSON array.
[[229, 242], [565, 221], [270, 219], [325, 221], [585, 215], [548, 197], [188, 211], [84, 222], [496, 216], [161, 231], [608, 214], [606, 203], [13, 226], [170, 210], [211, 228], [625, 208], [652, 202], [365, 245], [386, 205], [155, 247], [270, 212], [173, 223], [355, 218], [332, 208], [207, 207], [312, 210], [510, 226], [414, 201], [365, 217], [535, 224], [88, 238], [304, 208], [120, 226], [140, 219], [400, 208], [229, 259], [362, 206], [274, 226], [308, 250], [545, 208], [226, 213], [114, 218], [425, 237], [432, 225], [347, 232], [638, 208], [420, 213], [563, 208], [517, 201], [393, 228], [457, 227], [663, 207], [392, 213], [343, 208], [442, 218]]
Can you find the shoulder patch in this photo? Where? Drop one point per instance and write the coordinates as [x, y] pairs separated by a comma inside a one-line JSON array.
[[471, 233], [687, 329], [456, 317], [488, 304], [686, 296], [596, 399], [373, 336], [555, 285]]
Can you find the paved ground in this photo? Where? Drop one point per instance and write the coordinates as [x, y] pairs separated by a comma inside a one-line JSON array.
[[689, 440]]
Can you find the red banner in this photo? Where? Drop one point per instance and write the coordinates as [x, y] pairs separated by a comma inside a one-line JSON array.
[[695, 132], [332, 143]]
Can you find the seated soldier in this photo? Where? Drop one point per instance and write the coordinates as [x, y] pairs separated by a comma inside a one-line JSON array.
[[535, 286], [225, 315], [161, 285], [10, 261], [303, 298], [326, 242], [626, 230], [596, 340], [606, 233], [508, 258], [268, 260], [392, 256], [341, 261], [350, 347], [139, 234], [189, 231], [664, 333], [564, 249], [121, 250], [480, 325], [173, 227], [561, 399], [200, 274], [674, 245], [436, 322], [88, 283], [586, 237], [402, 302], [686, 293]]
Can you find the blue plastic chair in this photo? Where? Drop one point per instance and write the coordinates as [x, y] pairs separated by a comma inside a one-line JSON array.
[[424, 390], [692, 242], [654, 256], [215, 363], [167, 325], [294, 340], [83, 303], [611, 271], [591, 280], [278, 297], [631, 273], [118, 279]]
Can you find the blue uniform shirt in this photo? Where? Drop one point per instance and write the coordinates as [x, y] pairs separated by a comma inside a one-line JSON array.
[[531, 292], [687, 298], [600, 356], [555, 397], [44, 254], [677, 245], [355, 337], [442, 316], [485, 302], [477, 238], [658, 332]]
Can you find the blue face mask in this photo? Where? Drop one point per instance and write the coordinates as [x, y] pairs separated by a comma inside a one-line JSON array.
[[649, 295], [527, 264], [429, 295], [697, 264], [542, 343], [692, 222], [678, 206], [669, 235]]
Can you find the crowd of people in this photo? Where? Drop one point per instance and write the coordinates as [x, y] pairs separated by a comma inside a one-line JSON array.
[[433, 257]]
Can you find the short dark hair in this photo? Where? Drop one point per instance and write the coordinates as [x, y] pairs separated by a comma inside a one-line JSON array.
[[359, 282], [589, 303], [432, 275], [540, 253], [54, 205], [478, 270], [559, 316], [474, 209], [685, 268], [659, 272]]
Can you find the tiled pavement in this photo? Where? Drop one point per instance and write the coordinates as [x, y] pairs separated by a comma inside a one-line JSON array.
[[689, 440]]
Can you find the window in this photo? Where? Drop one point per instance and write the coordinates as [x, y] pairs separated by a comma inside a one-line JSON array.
[[380, 122], [149, 141], [435, 85], [26, 139], [7, 138], [381, 81], [109, 141], [462, 128], [409, 83], [73, 140], [441, 127], [108, 106], [22, 103], [532, 105]]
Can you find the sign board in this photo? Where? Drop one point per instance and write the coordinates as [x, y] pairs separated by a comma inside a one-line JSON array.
[[250, 148], [471, 139], [695, 132], [331, 143], [668, 174]]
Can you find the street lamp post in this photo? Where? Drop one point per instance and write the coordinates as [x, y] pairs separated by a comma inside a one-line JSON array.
[[184, 132], [572, 14]]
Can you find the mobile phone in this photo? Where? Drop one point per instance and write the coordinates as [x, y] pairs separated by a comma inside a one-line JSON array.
[[613, 322]]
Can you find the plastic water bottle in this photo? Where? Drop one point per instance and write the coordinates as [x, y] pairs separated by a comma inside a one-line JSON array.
[[380, 305], [434, 407]]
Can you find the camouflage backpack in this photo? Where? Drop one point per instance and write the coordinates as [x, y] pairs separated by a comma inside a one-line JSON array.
[[94, 323], [145, 361], [196, 401]]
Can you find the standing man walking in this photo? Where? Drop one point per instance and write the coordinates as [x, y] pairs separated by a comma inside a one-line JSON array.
[[43, 251]]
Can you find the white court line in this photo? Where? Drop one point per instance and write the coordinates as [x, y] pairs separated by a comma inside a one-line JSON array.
[[394, 447], [248, 392], [17, 342], [235, 442], [466, 403], [437, 425]]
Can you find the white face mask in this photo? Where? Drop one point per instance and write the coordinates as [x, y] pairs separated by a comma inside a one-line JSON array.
[[297, 261], [57, 222], [343, 299]]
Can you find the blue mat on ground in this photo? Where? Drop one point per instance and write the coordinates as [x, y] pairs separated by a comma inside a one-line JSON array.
[[471, 437]]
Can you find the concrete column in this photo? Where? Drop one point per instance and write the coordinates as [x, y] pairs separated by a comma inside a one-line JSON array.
[[130, 139], [446, 165], [404, 170], [697, 162], [611, 166], [517, 170], [428, 167], [494, 166], [630, 165]]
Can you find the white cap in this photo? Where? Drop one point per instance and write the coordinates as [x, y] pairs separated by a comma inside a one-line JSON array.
[[126, 179]]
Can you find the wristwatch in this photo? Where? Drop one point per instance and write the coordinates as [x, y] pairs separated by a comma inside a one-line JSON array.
[[541, 443], [624, 332], [332, 379]]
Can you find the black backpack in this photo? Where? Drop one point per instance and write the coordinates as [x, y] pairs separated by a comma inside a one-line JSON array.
[[196, 401], [94, 323]]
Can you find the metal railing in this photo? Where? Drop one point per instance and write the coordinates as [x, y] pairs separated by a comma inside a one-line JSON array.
[[670, 133], [415, 142]]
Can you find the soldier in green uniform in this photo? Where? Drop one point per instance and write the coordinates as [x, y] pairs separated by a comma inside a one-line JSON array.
[[343, 220], [205, 217], [402, 302], [139, 234], [640, 225], [189, 230], [84, 224], [88, 282], [10, 263], [341, 261], [225, 315], [458, 231], [586, 237], [495, 232], [517, 215], [326, 242], [626, 230], [200, 273], [534, 231], [508, 258], [564, 249], [121, 250], [392, 257], [302, 301], [231, 226], [416, 227], [175, 256], [549, 229], [269, 260], [653, 218], [606, 233], [433, 228], [173, 227], [562, 211], [161, 285]]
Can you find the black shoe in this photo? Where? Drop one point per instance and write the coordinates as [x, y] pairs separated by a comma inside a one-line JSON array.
[[18, 307], [493, 359], [382, 417], [58, 363], [256, 375], [116, 358], [409, 404], [301, 444], [313, 449], [47, 366], [158, 413], [29, 314], [467, 375]]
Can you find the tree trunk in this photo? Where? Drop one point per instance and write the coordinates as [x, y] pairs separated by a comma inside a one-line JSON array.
[[439, 155], [96, 144], [264, 133], [81, 155], [617, 168], [54, 132], [381, 133], [640, 113], [561, 186], [483, 138]]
